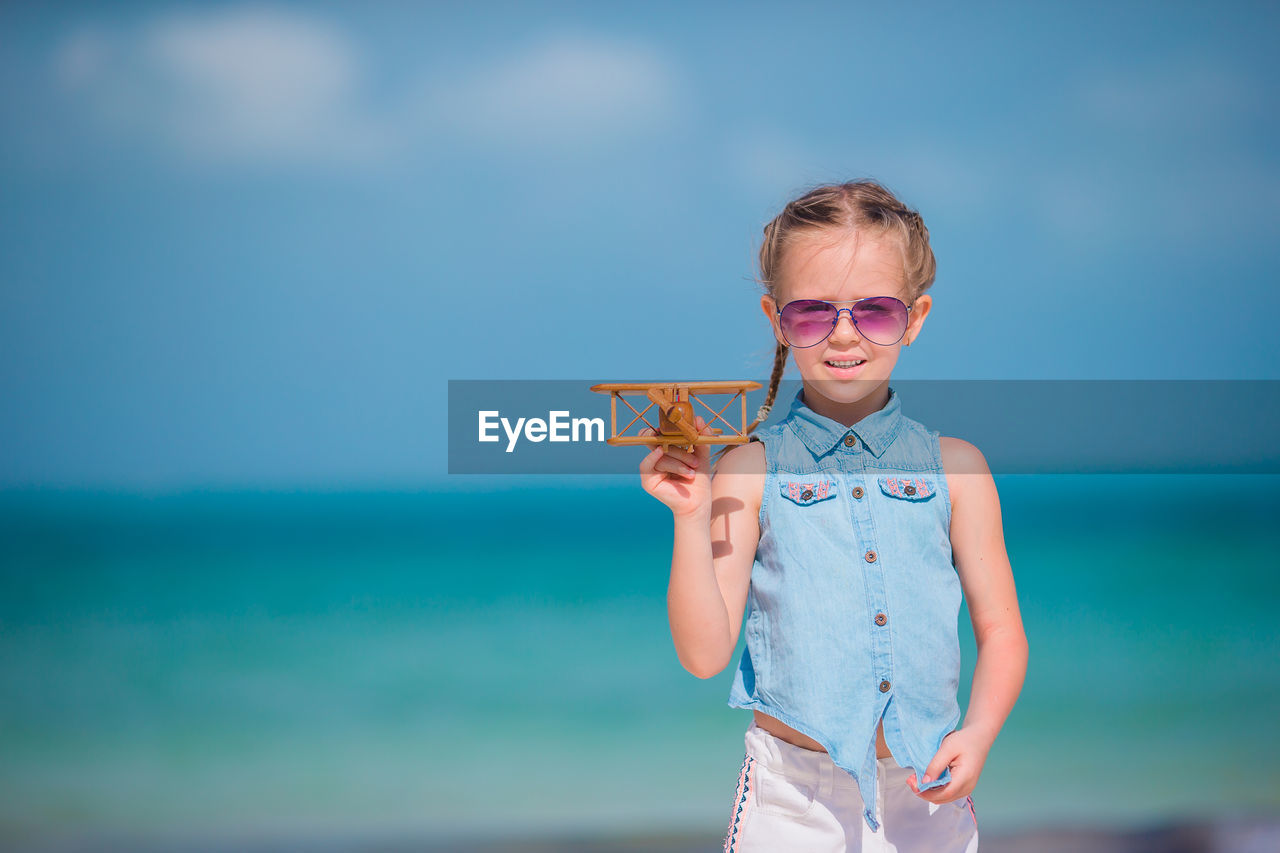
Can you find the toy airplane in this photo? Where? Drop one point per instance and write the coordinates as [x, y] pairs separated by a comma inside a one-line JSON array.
[[676, 424]]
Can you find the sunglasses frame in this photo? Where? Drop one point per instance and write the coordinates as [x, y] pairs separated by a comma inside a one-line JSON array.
[[836, 321]]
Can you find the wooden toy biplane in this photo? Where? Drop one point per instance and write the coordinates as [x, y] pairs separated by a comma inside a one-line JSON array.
[[676, 416]]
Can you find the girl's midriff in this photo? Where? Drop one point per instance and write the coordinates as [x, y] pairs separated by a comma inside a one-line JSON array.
[[782, 731]]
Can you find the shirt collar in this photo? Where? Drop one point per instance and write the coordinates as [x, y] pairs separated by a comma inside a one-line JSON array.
[[821, 433]]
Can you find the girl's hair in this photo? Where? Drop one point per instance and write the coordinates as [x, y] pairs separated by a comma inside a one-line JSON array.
[[853, 206]]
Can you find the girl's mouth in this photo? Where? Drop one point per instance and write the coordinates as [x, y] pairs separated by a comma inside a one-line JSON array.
[[846, 368]]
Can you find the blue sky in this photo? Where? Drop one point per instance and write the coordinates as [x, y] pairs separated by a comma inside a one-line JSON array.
[[248, 244]]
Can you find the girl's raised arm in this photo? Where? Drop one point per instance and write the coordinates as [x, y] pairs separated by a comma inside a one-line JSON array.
[[716, 531]]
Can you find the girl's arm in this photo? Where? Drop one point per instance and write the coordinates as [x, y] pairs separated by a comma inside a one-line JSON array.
[[714, 550], [977, 545]]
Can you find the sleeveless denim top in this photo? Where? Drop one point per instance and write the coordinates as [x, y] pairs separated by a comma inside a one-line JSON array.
[[853, 602]]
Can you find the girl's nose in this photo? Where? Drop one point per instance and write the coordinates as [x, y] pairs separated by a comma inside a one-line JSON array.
[[845, 329]]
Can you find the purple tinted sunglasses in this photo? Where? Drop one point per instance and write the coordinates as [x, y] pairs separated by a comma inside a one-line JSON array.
[[808, 322]]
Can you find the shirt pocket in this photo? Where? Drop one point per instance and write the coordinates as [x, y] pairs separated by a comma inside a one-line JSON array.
[[809, 491], [909, 488]]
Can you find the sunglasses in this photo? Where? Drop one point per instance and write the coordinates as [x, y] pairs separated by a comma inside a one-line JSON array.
[[808, 322]]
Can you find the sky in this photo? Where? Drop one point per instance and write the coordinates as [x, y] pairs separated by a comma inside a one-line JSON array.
[[248, 245]]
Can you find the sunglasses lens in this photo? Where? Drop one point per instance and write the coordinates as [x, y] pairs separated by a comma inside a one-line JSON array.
[[806, 322], [881, 320]]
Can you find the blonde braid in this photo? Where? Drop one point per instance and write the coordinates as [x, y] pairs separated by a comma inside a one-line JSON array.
[[775, 378]]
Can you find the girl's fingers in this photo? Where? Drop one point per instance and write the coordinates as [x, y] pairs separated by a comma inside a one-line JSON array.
[[667, 462], [675, 466], [649, 463], [681, 455], [934, 795]]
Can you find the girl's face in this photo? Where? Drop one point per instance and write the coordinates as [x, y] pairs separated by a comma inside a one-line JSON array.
[[838, 267]]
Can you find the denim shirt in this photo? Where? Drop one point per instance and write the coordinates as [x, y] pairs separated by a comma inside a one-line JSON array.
[[854, 598]]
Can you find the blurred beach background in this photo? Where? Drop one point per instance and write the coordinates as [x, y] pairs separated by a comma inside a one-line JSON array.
[[244, 248], [252, 667]]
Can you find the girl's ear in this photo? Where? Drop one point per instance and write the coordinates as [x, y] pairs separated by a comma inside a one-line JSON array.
[[770, 309], [918, 312]]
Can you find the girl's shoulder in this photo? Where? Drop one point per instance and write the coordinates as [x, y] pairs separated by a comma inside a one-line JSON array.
[[961, 457], [748, 458], [969, 480]]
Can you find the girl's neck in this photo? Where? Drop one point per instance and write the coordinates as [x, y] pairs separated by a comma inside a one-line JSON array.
[[846, 413]]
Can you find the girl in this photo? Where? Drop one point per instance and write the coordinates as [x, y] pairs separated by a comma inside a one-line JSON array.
[[848, 531]]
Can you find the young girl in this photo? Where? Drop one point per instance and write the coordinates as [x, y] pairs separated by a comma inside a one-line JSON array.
[[847, 532]]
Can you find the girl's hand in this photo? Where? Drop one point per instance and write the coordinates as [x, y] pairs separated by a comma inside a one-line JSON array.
[[679, 478], [964, 753]]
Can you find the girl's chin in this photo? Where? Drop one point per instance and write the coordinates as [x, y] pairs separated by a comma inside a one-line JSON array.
[[844, 390], [824, 373]]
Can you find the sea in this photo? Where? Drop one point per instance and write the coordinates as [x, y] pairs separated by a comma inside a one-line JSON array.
[[493, 659]]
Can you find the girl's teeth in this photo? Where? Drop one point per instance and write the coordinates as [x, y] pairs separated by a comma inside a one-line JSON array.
[[844, 363]]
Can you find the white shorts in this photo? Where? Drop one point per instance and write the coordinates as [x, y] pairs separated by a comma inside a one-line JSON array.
[[794, 799]]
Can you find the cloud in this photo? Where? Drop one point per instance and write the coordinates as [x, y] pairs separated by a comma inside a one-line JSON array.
[[238, 84], [255, 81], [567, 89], [258, 83]]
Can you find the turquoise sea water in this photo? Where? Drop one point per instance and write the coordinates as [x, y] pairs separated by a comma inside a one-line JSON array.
[[475, 662]]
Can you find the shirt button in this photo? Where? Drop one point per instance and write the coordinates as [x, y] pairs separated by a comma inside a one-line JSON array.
[[850, 441], [881, 619], [911, 490], [871, 556], [805, 495], [857, 492], [884, 687]]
